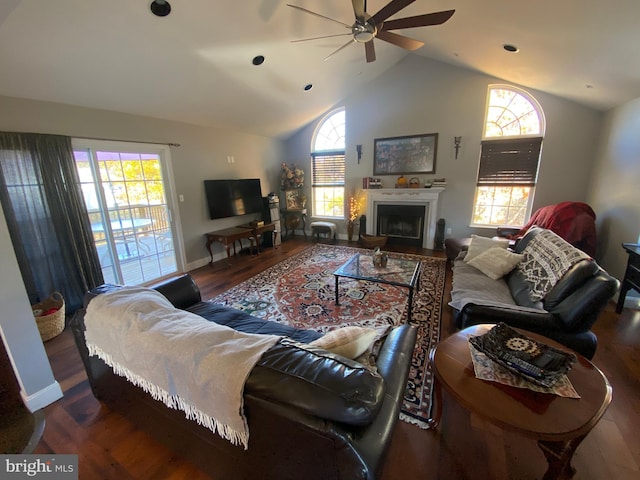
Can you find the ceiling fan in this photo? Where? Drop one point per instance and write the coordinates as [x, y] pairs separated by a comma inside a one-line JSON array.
[[367, 27]]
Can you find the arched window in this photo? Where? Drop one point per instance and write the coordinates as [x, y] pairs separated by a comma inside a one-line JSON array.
[[509, 159], [328, 166]]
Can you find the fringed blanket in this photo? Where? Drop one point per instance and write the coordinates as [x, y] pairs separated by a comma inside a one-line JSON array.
[[177, 357], [547, 257]]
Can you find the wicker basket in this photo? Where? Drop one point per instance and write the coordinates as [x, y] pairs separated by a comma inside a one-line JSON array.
[[372, 241], [51, 325]]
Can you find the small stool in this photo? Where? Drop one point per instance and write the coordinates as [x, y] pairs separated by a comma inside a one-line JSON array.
[[327, 228]]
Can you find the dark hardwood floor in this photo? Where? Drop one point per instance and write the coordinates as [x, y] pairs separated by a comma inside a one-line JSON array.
[[463, 447]]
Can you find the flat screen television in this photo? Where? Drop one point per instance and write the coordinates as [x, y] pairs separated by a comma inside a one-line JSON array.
[[230, 198]]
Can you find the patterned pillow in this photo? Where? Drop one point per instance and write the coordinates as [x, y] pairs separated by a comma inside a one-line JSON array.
[[480, 244], [350, 342], [496, 262]]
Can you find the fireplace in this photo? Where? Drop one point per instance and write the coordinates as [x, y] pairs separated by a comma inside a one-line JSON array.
[[418, 232], [403, 224]]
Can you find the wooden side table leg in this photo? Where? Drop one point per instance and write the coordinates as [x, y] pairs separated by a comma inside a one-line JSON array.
[[559, 455], [304, 225], [209, 242], [436, 406], [228, 249], [621, 297]]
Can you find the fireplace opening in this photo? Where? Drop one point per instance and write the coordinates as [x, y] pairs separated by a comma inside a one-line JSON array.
[[403, 224]]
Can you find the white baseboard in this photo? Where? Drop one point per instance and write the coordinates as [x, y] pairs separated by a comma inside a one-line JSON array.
[[42, 398]]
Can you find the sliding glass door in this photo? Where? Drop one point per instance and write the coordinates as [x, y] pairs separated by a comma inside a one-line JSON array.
[[125, 188]]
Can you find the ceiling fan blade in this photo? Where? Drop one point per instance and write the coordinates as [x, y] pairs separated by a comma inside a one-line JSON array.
[[336, 51], [358, 9], [393, 7], [436, 18], [318, 38], [370, 51], [318, 15], [399, 40]]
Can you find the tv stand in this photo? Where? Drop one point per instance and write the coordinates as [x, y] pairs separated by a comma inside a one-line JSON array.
[[229, 236]]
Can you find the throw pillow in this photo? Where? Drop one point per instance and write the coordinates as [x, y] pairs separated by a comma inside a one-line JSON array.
[[496, 262], [480, 244], [350, 342]]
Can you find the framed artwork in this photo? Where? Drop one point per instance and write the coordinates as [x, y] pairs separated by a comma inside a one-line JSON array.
[[294, 200], [409, 154]]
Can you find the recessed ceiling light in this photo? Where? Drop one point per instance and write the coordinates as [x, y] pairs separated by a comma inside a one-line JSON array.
[[510, 48], [258, 60], [160, 8], [308, 87]]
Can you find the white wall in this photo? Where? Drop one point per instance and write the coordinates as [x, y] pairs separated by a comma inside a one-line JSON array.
[[615, 186], [202, 154], [423, 96]]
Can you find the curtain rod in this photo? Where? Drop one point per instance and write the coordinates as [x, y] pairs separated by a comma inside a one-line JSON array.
[[128, 141]]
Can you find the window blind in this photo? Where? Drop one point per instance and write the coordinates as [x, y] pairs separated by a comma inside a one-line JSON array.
[[511, 161], [328, 169]]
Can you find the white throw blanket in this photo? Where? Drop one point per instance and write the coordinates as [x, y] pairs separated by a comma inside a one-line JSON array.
[[179, 358]]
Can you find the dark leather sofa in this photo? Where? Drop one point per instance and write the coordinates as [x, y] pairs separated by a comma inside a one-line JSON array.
[[311, 414], [567, 312]]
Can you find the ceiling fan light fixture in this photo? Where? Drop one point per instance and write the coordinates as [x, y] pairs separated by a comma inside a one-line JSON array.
[[363, 33], [160, 8]]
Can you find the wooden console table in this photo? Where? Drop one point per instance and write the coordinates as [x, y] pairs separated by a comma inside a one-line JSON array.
[[228, 237], [632, 274], [261, 230]]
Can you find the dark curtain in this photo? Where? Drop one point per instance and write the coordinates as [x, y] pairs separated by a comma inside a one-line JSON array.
[[47, 218]]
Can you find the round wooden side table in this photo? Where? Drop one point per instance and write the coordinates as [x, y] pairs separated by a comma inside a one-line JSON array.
[[558, 424]]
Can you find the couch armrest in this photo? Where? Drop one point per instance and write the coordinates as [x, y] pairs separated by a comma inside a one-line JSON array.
[[528, 319], [181, 291], [581, 309], [394, 363]]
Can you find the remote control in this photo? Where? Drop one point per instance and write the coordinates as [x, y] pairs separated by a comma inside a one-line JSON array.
[[520, 365]]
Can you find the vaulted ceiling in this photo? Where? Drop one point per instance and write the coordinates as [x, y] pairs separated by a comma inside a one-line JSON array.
[[195, 65]]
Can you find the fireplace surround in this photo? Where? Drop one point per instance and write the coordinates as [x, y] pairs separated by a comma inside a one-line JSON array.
[[398, 197]]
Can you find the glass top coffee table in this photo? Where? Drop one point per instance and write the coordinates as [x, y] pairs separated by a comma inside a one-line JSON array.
[[399, 272]]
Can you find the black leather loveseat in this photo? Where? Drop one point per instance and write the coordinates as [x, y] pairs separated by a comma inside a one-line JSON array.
[[311, 414], [566, 314]]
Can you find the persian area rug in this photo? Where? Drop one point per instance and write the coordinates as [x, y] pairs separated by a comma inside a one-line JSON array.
[[300, 291]]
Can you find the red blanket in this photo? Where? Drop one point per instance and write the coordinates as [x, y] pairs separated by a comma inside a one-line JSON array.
[[573, 221]]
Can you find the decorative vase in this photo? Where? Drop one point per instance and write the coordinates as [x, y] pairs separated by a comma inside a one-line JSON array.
[[350, 229], [379, 258]]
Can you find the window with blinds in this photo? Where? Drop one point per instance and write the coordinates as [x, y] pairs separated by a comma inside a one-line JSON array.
[[511, 161], [327, 169], [327, 180], [328, 166], [509, 158]]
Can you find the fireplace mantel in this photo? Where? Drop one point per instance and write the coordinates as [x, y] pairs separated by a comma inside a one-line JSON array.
[[427, 197]]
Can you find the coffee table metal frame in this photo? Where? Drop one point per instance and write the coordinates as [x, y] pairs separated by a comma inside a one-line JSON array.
[[398, 272], [558, 424]]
